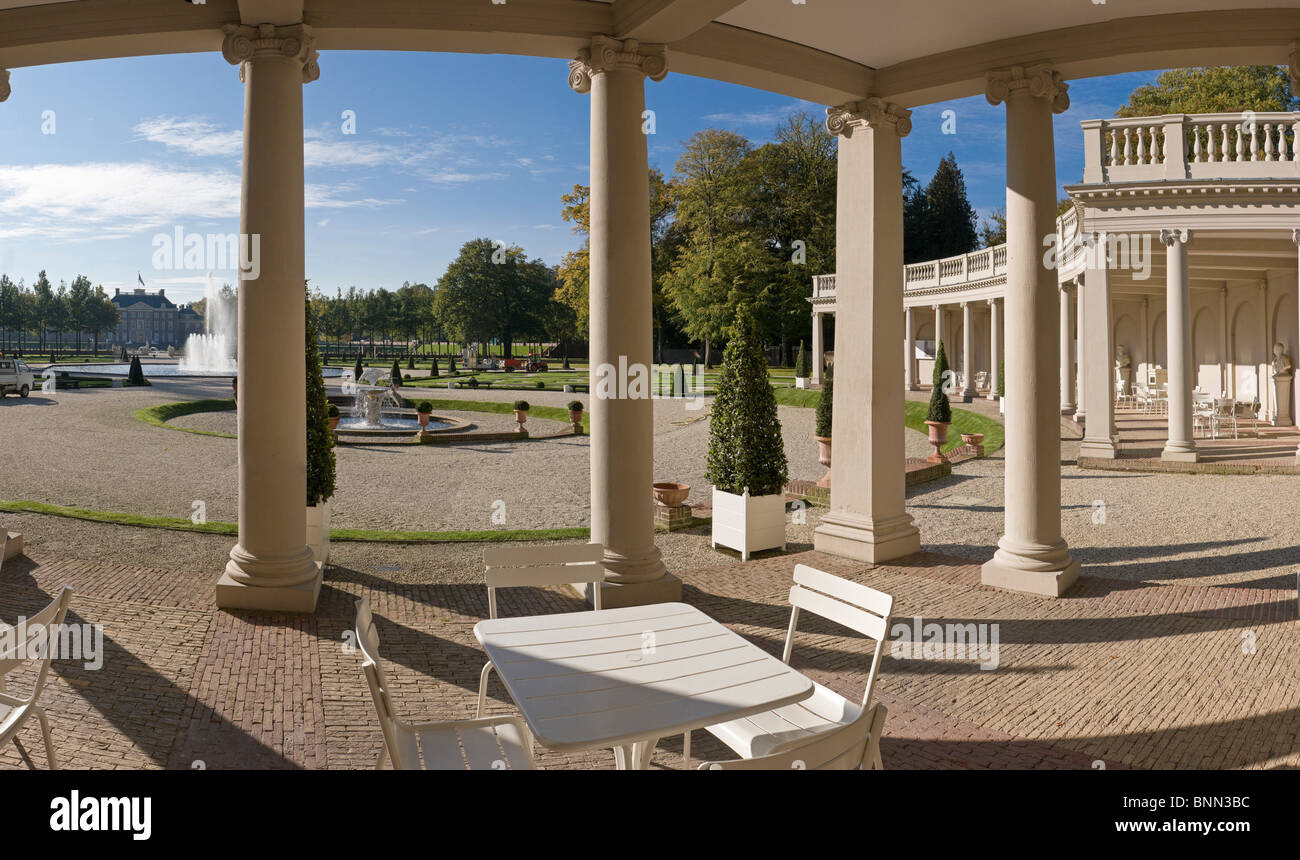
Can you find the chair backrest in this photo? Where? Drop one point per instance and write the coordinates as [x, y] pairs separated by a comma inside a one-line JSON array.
[[21, 652], [558, 564], [849, 747], [1225, 407], [402, 747], [852, 604]]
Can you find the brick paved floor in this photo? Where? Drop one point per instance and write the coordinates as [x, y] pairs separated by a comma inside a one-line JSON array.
[[1129, 674]]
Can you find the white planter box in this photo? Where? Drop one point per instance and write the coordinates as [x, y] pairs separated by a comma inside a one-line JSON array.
[[748, 523], [318, 531], [802, 381]]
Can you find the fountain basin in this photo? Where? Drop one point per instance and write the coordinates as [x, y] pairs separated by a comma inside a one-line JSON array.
[[398, 424], [167, 371]]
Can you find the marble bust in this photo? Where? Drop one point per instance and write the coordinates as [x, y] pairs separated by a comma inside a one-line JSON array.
[[1282, 365]]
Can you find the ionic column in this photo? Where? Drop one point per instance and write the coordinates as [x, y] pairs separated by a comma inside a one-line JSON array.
[[1147, 359], [868, 519], [909, 351], [271, 567], [1081, 366], [995, 347], [818, 349], [1067, 349], [1181, 445], [967, 352], [1100, 438], [1031, 556], [622, 428], [1224, 358], [11, 543]]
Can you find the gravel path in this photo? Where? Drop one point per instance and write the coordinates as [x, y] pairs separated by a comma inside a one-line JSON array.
[[86, 449]]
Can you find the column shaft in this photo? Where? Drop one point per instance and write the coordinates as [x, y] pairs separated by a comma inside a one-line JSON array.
[[1031, 556], [818, 349], [271, 567], [1100, 438], [1181, 445], [868, 519], [909, 351], [622, 423], [995, 347], [1081, 366], [967, 352], [1067, 350]]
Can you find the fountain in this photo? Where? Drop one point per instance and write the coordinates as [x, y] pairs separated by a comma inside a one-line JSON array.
[[214, 351]]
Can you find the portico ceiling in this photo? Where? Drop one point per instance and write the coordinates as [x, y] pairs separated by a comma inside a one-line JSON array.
[[826, 51]]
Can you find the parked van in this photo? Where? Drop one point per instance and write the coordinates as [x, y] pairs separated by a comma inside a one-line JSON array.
[[15, 375]]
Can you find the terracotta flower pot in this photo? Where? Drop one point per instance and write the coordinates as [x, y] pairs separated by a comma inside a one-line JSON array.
[[671, 494], [824, 457], [575, 418], [521, 415], [334, 423], [938, 438], [972, 438], [423, 418]]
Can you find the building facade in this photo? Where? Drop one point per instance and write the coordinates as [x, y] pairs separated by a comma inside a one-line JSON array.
[[153, 319]]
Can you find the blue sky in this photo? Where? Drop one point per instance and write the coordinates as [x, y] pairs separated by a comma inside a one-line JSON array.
[[447, 147]]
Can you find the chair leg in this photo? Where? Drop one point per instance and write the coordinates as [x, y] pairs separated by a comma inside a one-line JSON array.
[[45, 731], [482, 689], [383, 753], [686, 749]]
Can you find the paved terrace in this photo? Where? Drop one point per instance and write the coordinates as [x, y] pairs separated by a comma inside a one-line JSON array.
[[1133, 674]]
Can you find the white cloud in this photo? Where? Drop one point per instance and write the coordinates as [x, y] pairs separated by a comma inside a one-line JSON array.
[[446, 176], [87, 202], [196, 136], [771, 116]]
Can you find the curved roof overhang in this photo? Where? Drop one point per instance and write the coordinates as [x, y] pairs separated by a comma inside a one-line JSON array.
[[830, 52]]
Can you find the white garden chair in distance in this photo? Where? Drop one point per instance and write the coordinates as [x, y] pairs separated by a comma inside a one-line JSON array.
[[855, 746], [496, 743], [14, 711], [851, 604], [535, 566]]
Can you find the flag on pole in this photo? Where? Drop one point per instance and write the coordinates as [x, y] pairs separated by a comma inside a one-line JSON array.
[[139, 278]]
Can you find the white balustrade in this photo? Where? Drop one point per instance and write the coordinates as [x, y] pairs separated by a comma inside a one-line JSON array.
[[1255, 145]]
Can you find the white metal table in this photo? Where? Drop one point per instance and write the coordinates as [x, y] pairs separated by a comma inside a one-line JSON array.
[[624, 678]]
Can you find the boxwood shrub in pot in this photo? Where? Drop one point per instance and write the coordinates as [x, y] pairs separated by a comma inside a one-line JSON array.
[[824, 424], [939, 414], [746, 460], [801, 365]]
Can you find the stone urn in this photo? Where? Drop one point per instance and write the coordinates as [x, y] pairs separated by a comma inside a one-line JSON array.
[[938, 438], [423, 418], [972, 438], [824, 457], [521, 416], [671, 494]]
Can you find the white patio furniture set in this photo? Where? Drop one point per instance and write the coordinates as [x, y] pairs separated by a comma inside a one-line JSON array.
[[622, 679]]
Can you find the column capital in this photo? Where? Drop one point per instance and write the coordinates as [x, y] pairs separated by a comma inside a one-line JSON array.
[[992, 302], [609, 54], [1180, 235], [871, 112], [4, 84], [1039, 80], [242, 43]]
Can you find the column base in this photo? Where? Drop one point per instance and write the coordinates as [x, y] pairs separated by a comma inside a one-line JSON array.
[[1101, 449], [1080, 417], [1180, 453], [968, 398], [613, 595], [1070, 409], [233, 593], [992, 395], [1048, 571], [13, 545], [864, 539]]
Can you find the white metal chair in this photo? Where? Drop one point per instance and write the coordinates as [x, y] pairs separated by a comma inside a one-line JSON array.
[[14, 712], [1202, 413], [1225, 412], [855, 746], [496, 743], [851, 604], [517, 566]]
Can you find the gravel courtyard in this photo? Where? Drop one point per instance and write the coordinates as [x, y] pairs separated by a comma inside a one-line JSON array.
[[1190, 529]]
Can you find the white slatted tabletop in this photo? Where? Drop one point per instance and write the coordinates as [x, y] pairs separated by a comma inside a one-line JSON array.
[[614, 677]]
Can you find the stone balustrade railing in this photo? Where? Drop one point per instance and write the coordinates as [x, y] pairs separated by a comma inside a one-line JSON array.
[[1246, 145]]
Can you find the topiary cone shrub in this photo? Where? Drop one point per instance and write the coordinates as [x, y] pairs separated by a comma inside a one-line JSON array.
[[320, 441], [801, 363], [746, 450], [826, 407], [433, 367], [357, 369], [135, 376], [940, 410], [395, 375]]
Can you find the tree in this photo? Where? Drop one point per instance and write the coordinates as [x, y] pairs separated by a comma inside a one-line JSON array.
[[801, 363], [12, 310], [43, 307], [104, 315], [320, 441], [994, 229], [493, 290], [916, 221], [80, 307], [1213, 89], [950, 215]]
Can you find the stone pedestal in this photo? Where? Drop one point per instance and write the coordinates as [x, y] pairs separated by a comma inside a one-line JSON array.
[[673, 517], [1284, 415]]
